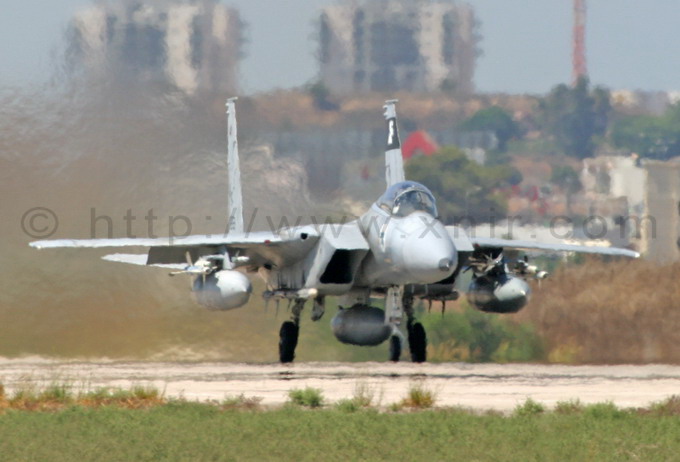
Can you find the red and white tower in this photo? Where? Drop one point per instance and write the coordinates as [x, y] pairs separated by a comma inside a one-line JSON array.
[[580, 68]]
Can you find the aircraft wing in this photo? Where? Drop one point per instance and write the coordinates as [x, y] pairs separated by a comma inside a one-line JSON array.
[[489, 242], [250, 238], [141, 260], [261, 248]]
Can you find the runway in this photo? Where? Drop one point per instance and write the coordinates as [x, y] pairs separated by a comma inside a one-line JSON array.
[[475, 386]]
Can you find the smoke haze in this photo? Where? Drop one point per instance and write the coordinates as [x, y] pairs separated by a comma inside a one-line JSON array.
[[77, 149]]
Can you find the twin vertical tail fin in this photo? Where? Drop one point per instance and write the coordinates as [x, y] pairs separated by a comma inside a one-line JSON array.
[[394, 160], [235, 192]]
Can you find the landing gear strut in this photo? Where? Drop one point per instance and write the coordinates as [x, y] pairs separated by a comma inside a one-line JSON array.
[[417, 342], [395, 348], [394, 311], [417, 339], [288, 335], [288, 339]]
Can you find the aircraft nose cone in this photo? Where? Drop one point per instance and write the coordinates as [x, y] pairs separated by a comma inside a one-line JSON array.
[[429, 258]]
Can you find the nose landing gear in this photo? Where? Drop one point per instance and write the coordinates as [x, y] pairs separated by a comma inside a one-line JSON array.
[[398, 304]]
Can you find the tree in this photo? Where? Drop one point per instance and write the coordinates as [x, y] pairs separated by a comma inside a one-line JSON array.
[[321, 97], [649, 136], [566, 178], [465, 190], [497, 120], [574, 116]]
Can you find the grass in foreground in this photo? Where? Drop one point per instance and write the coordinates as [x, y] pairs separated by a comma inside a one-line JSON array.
[[191, 431], [59, 396], [57, 424], [307, 397], [418, 396], [365, 397]]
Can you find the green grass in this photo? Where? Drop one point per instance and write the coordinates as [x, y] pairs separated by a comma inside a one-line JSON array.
[[364, 398], [57, 396], [191, 431], [466, 334], [307, 397], [419, 396], [667, 407], [569, 407], [56, 423], [243, 402], [529, 407]]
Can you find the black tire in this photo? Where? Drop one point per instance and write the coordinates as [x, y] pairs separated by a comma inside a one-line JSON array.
[[395, 348], [417, 343], [288, 339]]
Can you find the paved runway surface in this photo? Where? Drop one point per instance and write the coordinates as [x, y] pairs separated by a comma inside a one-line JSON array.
[[477, 386]]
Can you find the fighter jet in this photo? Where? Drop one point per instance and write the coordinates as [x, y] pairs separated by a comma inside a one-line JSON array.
[[397, 251]]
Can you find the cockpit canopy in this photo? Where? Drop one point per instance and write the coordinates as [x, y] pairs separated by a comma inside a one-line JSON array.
[[404, 198]]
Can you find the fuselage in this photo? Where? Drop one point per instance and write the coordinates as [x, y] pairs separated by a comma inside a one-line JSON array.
[[408, 244], [397, 242]]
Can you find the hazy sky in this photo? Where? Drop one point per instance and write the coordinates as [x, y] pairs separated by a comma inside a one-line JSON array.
[[526, 43]]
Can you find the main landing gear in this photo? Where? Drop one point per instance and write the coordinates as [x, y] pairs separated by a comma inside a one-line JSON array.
[[395, 348], [417, 339], [290, 330], [417, 342], [288, 339], [397, 304]]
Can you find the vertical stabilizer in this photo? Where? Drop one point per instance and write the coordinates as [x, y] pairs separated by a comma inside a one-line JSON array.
[[394, 161], [235, 193]]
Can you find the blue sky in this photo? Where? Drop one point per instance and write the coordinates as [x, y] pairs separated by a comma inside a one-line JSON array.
[[526, 43]]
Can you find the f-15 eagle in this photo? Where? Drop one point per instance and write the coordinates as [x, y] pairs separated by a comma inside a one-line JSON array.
[[397, 250]]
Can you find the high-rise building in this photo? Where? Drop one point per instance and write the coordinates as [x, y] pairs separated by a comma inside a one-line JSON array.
[[389, 45], [190, 45]]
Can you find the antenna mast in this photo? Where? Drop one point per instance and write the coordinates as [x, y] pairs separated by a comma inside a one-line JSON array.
[[580, 68]]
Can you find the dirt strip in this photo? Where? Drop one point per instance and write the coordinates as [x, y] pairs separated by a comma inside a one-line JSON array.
[[477, 386]]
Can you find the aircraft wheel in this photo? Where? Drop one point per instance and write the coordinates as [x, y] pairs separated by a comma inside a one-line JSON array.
[[288, 338], [417, 343], [395, 348]]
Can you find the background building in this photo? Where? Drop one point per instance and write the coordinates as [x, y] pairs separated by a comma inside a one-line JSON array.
[[389, 45], [661, 227], [191, 45], [637, 199]]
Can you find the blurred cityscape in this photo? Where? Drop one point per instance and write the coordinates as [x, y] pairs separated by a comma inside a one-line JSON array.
[[191, 46], [402, 45]]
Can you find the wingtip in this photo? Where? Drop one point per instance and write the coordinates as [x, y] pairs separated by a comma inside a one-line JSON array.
[[631, 253]]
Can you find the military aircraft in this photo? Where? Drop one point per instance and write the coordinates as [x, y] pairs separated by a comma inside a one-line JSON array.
[[397, 251]]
